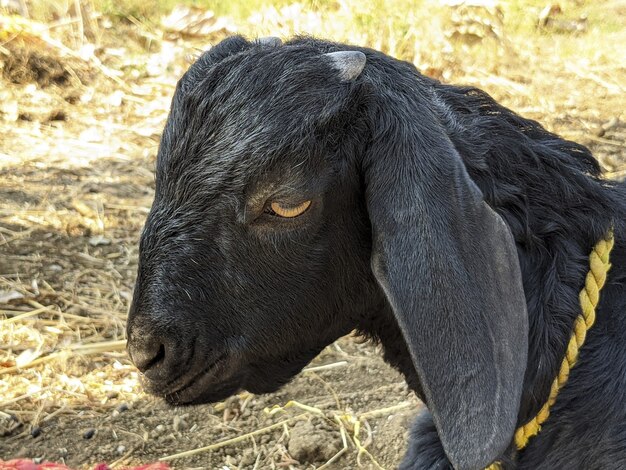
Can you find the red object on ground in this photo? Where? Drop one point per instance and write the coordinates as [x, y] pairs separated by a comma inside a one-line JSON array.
[[26, 464], [152, 466]]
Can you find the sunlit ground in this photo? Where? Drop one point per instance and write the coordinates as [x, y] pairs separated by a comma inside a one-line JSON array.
[[83, 98]]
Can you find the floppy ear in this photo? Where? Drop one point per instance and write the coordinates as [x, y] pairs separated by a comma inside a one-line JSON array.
[[448, 266]]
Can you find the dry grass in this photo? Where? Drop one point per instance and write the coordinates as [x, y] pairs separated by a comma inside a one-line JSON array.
[[76, 157]]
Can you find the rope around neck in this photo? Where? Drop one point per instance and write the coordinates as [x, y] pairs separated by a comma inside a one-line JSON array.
[[589, 297]]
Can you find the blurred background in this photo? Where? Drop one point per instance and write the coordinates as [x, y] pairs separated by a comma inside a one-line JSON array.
[[85, 88]]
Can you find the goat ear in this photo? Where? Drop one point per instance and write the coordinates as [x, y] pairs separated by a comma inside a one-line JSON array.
[[448, 266]]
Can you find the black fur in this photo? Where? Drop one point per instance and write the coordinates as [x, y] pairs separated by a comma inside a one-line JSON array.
[[397, 243]]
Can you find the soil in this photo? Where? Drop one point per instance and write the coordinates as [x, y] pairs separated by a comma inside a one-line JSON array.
[[76, 180], [148, 429]]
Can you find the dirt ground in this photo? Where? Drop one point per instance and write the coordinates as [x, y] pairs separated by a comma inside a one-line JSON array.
[[78, 139]]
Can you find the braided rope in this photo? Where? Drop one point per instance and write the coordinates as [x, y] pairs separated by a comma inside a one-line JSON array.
[[589, 297]]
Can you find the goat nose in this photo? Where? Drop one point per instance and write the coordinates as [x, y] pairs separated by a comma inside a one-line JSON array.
[[158, 354], [147, 354]]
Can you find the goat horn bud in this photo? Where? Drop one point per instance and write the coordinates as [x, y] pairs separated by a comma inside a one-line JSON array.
[[270, 41], [349, 64]]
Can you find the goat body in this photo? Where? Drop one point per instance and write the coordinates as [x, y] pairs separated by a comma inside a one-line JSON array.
[[426, 216]]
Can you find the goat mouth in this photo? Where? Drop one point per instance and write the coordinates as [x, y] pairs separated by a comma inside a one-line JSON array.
[[203, 386], [188, 381]]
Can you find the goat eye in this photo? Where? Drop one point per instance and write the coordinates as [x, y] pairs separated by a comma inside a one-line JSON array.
[[289, 212]]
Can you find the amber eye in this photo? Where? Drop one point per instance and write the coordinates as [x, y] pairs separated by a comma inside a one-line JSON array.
[[289, 211]]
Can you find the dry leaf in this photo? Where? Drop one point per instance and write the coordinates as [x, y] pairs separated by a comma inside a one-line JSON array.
[[7, 296], [27, 356]]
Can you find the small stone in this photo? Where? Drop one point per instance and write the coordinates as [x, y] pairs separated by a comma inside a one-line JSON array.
[[122, 407], [121, 449], [36, 431], [179, 424], [99, 240], [89, 433]]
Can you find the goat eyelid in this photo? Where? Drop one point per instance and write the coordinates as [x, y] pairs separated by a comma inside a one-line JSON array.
[[287, 211]]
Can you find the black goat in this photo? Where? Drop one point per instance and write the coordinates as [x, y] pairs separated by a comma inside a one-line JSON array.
[[307, 189]]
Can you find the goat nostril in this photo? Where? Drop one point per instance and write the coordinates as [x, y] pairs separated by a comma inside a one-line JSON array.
[[148, 357], [160, 356]]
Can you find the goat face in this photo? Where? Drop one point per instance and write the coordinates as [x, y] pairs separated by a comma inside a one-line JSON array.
[[296, 193], [230, 294]]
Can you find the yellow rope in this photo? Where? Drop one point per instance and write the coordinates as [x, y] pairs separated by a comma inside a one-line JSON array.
[[589, 297]]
